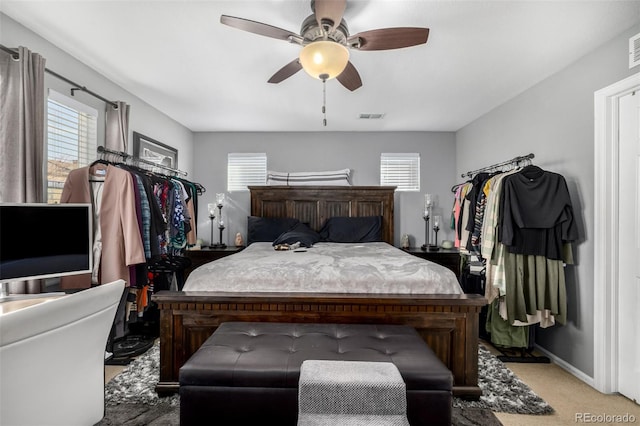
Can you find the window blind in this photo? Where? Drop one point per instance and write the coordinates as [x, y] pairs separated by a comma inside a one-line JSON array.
[[401, 170], [71, 140], [245, 169]]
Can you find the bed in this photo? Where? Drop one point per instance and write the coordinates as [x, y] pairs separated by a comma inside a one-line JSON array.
[[446, 319], [330, 267]]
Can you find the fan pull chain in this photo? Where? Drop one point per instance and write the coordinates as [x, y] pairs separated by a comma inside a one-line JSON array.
[[324, 98], [324, 102]]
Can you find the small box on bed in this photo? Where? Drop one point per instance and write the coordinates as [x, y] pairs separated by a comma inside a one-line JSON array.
[[247, 373]]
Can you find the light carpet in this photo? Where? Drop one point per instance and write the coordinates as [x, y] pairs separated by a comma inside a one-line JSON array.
[[130, 397]]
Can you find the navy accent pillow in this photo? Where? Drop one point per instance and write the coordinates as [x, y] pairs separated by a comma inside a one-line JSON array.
[[267, 229], [301, 233], [363, 229]]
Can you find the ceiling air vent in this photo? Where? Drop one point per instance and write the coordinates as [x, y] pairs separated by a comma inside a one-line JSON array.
[[368, 116], [634, 51]]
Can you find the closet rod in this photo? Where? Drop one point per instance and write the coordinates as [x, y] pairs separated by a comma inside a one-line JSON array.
[[125, 156], [515, 160], [76, 86]]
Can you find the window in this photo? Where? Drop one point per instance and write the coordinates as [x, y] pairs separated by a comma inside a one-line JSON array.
[[244, 169], [71, 140], [401, 170]]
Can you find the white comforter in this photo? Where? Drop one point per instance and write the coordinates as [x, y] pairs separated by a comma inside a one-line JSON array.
[[324, 268]]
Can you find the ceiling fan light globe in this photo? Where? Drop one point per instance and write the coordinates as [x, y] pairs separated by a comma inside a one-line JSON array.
[[324, 58]]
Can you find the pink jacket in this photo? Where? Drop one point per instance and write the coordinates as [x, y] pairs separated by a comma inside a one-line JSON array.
[[121, 240]]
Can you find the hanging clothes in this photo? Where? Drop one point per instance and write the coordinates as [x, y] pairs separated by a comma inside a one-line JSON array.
[[192, 191], [153, 222], [537, 228], [460, 211], [477, 201], [180, 221], [121, 243], [139, 217], [536, 213], [521, 225]]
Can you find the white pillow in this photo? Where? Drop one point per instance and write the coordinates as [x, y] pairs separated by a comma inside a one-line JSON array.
[[328, 178]]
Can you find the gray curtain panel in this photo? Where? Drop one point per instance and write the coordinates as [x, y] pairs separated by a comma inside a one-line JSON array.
[[22, 135], [117, 127]]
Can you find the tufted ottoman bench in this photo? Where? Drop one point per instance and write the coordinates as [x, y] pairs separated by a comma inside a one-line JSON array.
[[247, 373]]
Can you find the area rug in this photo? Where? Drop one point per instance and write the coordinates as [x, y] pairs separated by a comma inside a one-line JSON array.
[[502, 390], [131, 399]]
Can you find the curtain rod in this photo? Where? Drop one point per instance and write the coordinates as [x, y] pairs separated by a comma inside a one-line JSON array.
[[504, 163], [125, 156], [14, 54]]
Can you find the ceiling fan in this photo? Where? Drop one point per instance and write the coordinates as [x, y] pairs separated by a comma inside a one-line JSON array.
[[326, 41]]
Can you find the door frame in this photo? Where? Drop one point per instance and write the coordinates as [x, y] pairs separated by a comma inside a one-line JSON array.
[[606, 228]]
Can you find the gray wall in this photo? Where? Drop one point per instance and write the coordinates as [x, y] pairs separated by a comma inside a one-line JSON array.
[[315, 151], [554, 120], [142, 117]]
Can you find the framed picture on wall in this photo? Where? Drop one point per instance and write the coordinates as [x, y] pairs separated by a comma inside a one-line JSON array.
[[156, 152]]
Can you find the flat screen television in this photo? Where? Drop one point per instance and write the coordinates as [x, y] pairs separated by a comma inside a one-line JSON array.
[[44, 240]]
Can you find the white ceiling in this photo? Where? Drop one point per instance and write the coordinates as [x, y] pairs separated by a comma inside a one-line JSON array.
[[176, 56]]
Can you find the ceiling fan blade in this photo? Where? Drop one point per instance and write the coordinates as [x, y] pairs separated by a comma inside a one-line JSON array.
[[389, 38], [331, 10], [350, 78], [259, 28], [287, 71]]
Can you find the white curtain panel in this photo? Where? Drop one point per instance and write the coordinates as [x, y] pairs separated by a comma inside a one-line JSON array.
[[117, 127], [22, 135]]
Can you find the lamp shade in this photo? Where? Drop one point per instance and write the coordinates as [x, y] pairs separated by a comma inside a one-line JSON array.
[[324, 59]]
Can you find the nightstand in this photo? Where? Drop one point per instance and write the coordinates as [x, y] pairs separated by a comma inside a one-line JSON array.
[[206, 255], [449, 258]]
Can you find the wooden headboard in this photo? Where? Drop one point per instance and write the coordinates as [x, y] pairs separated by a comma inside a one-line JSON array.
[[315, 204]]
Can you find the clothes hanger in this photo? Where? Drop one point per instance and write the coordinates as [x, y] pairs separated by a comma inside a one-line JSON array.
[[199, 188], [100, 161], [531, 171], [454, 188]]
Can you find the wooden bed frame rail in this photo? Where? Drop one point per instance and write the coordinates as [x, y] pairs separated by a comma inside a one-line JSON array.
[[448, 323]]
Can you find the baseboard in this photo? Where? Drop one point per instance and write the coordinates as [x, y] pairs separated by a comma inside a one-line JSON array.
[[567, 367]]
